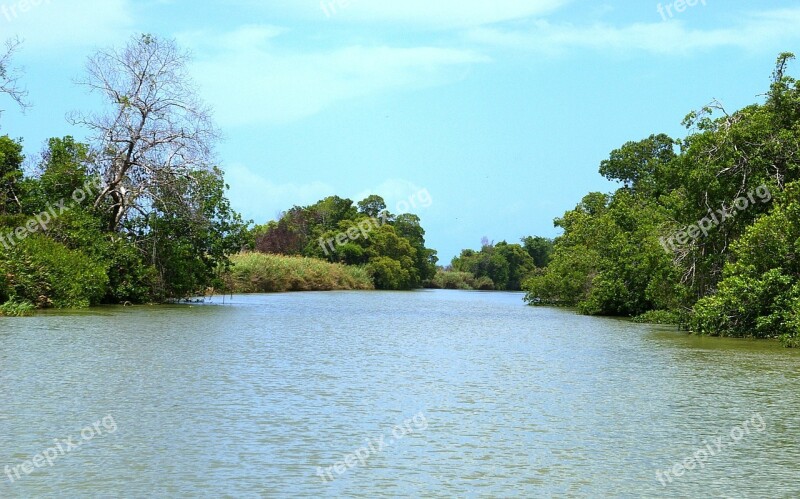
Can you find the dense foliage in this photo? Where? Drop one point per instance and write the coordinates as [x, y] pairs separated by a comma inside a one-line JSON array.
[[390, 247], [760, 293], [119, 219], [72, 258], [465, 281], [694, 231], [495, 267], [501, 266]]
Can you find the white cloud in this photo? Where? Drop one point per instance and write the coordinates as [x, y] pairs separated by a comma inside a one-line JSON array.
[[58, 25], [756, 31], [430, 14], [260, 199], [251, 81], [440, 13]]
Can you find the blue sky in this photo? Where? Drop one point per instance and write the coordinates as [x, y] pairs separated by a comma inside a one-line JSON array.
[[502, 110]]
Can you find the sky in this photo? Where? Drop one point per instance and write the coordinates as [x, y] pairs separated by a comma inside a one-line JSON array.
[[497, 112]]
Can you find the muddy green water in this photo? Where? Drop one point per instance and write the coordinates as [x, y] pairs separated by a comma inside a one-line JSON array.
[[424, 394]]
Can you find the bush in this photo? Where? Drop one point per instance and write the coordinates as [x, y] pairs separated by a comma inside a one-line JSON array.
[[17, 309], [451, 279], [760, 294], [751, 307], [484, 284], [131, 280], [48, 274], [388, 273], [263, 273]]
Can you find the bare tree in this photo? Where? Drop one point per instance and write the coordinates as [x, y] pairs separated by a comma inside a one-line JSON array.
[[10, 76], [155, 129]]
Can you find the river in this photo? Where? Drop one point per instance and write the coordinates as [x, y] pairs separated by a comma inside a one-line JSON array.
[[372, 394]]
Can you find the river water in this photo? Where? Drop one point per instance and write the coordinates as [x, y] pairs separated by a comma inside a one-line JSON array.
[[369, 394]]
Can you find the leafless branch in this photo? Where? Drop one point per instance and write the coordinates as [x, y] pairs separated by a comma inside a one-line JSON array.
[[155, 130], [10, 76]]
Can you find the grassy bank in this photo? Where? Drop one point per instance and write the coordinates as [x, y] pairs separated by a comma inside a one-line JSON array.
[[263, 273]]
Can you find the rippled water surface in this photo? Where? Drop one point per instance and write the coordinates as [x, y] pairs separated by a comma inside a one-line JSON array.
[[425, 394]]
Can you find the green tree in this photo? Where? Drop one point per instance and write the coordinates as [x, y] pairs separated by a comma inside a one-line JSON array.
[[608, 261], [368, 236], [190, 234], [11, 175], [46, 273], [520, 264], [540, 249], [760, 294], [372, 206], [384, 245], [409, 226], [641, 165], [501, 267]]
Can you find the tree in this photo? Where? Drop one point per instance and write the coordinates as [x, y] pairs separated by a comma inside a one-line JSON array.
[[540, 249], [760, 294], [190, 234], [638, 164], [155, 131], [64, 168], [502, 267], [608, 261], [520, 264], [372, 206], [10, 76], [392, 249], [409, 226], [385, 245], [329, 212], [11, 159], [713, 197]]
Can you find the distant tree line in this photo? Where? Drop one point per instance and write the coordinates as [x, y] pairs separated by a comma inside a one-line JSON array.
[[390, 247], [495, 267]]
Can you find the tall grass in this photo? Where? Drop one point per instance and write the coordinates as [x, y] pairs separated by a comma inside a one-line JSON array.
[[17, 309], [263, 273]]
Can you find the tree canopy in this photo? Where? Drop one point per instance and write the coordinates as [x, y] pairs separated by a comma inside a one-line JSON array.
[[139, 213], [391, 248], [732, 269]]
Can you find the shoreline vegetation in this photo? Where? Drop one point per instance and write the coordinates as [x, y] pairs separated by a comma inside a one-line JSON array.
[[263, 273], [703, 232]]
